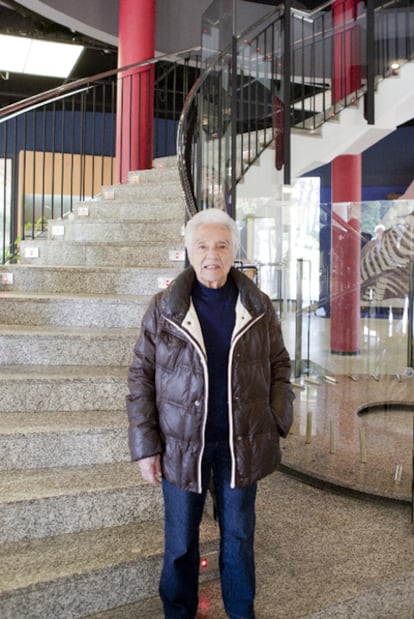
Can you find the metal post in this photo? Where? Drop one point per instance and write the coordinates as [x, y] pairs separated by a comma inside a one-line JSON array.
[[299, 302], [370, 63], [410, 360], [233, 150], [286, 92], [233, 124]]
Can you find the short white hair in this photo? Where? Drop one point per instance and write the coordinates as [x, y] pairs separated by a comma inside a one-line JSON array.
[[212, 216]]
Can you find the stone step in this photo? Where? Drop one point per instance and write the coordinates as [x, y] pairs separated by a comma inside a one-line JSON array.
[[167, 161], [37, 503], [65, 346], [41, 389], [58, 310], [168, 191], [56, 439], [131, 209], [78, 574], [162, 173], [86, 280], [112, 231], [72, 253]]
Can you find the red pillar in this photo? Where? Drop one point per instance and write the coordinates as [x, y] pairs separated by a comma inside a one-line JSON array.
[[346, 74], [346, 254], [135, 87]]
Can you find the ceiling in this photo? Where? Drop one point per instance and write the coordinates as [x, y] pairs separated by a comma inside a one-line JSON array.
[[18, 21]]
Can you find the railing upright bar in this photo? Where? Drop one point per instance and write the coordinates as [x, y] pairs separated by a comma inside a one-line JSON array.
[[273, 76], [72, 150], [410, 326], [234, 119], [81, 147], [113, 124], [43, 150], [313, 73], [386, 46], [14, 232], [23, 178], [174, 89], [93, 142], [370, 63], [302, 77], [325, 84], [5, 250], [103, 127], [298, 318], [62, 160], [32, 148], [397, 38], [287, 72], [242, 118], [53, 148], [164, 91], [129, 94], [249, 106], [256, 97]]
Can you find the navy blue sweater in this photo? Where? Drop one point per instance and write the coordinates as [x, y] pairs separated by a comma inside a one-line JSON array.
[[216, 310]]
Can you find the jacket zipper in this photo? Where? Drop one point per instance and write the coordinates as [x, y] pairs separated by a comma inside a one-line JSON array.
[[188, 336], [237, 337]]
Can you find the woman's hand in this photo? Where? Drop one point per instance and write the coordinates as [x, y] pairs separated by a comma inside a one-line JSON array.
[[151, 469]]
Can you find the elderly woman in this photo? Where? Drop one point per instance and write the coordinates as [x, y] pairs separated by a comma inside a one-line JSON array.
[[209, 398]]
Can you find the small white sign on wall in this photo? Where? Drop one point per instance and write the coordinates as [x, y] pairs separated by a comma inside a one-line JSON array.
[[58, 230], [31, 252], [177, 255], [164, 282]]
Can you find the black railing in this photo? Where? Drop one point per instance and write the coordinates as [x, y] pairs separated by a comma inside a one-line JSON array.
[[245, 100], [60, 147]]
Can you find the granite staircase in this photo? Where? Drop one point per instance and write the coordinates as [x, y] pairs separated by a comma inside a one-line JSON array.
[[80, 533]]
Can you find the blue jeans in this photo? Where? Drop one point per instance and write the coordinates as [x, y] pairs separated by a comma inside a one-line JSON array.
[[236, 516]]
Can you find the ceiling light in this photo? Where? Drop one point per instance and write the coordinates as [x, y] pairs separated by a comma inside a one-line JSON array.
[[35, 57]]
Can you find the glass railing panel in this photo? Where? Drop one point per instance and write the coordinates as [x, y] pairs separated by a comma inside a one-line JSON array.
[[292, 246]]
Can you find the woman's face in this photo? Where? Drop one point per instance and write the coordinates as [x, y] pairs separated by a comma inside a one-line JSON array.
[[211, 254]]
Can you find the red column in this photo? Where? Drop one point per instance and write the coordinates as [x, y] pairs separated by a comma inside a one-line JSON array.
[[346, 254], [346, 74], [135, 87]]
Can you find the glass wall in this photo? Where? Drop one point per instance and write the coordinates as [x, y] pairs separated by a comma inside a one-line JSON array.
[[300, 249], [292, 245]]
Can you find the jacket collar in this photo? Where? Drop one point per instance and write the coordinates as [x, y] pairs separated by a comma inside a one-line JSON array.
[[175, 301]]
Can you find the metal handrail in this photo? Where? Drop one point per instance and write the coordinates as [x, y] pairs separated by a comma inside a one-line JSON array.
[[59, 92]]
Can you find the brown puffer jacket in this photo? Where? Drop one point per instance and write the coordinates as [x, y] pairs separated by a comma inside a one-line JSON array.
[[167, 401]]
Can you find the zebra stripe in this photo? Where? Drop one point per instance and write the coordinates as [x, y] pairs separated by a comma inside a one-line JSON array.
[[385, 264]]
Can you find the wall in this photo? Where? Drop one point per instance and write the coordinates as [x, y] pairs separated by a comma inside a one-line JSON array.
[[387, 167]]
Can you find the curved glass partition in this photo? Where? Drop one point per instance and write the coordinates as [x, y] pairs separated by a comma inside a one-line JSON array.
[[356, 260]]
